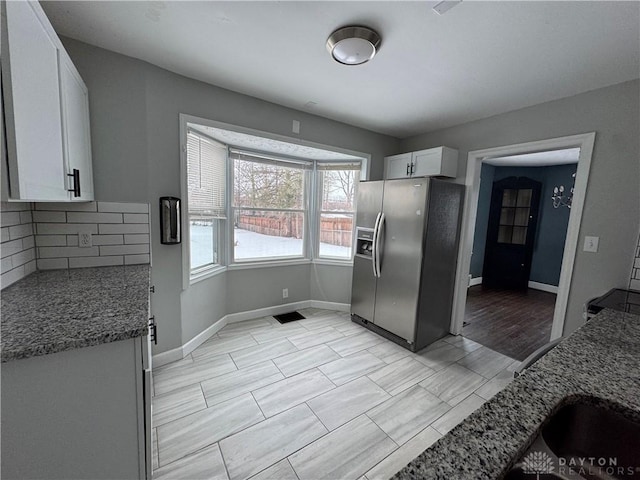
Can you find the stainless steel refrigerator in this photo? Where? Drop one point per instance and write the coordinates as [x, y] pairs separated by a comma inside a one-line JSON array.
[[404, 266]]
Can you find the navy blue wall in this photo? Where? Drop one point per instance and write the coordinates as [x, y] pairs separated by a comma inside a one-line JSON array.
[[552, 222]]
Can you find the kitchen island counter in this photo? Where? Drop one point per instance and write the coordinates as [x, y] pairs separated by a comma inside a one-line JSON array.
[[599, 363], [56, 310]]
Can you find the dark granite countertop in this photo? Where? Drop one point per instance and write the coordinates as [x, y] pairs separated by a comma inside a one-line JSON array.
[[56, 310], [600, 363]]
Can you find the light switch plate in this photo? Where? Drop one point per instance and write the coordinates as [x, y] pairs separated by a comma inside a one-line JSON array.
[[295, 127], [591, 244]]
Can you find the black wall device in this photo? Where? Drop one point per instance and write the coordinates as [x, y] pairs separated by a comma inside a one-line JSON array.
[[170, 228]]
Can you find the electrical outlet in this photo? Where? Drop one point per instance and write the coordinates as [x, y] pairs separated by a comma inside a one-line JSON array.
[[295, 126], [84, 239], [591, 244], [285, 293]]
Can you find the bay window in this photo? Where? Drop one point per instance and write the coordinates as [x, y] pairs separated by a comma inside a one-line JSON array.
[[269, 207], [206, 180]]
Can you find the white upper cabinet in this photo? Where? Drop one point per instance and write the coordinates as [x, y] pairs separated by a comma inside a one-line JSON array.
[[75, 130], [398, 166], [433, 162], [46, 110]]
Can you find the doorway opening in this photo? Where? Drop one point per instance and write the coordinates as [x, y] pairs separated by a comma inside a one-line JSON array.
[[546, 287], [518, 245]]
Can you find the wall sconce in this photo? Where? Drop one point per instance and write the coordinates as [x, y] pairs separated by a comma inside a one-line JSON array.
[[559, 198]]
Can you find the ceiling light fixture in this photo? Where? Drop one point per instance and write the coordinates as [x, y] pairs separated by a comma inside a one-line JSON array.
[[353, 45]]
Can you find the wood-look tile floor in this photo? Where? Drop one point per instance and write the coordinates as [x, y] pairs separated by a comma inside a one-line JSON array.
[[316, 398], [511, 322]]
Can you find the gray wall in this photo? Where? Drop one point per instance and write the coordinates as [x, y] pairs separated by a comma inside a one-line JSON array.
[[612, 205], [136, 154], [551, 230]]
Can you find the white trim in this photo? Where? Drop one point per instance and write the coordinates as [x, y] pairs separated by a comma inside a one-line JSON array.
[[544, 287], [339, 307], [212, 271], [335, 263], [266, 311], [179, 353], [475, 281], [161, 359], [472, 182], [267, 264]]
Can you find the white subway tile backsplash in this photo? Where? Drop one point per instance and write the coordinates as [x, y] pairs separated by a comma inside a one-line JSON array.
[[136, 238], [7, 219], [58, 252], [28, 242], [10, 248], [84, 262], [136, 218], [14, 207], [68, 207], [51, 240], [49, 231], [6, 264], [23, 257], [64, 228], [108, 239], [17, 248], [52, 263], [123, 207], [85, 217], [12, 276], [136, 259], [20, 231], [124, 249], [50, 217], [26, 217], [108, 229], [58, 242]]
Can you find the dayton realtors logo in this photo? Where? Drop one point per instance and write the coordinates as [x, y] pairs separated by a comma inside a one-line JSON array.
[[540, 463], [537, 463]]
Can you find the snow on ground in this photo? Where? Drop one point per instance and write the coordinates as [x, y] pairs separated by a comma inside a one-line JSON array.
[[255, 245]]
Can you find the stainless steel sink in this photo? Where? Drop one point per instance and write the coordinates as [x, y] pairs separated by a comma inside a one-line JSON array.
[[583, 441]]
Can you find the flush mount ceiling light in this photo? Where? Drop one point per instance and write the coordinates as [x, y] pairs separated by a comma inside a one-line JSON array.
[[353, 45]]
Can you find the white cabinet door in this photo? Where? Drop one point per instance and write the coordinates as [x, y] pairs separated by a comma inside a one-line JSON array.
[[435, 162], [397, 166], [75, 127], [32, 101]]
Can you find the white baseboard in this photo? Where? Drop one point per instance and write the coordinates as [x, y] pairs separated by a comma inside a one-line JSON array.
[[173, 355], [267, 311], [543, 287], [475, 281], [179, 353], [339, 307]]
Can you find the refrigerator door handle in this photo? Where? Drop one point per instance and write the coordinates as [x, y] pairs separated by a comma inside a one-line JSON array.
[[373, 244], [377, 245]]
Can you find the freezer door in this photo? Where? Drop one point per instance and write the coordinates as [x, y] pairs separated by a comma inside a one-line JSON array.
[[363, 288], [402, 234], [369, 203]]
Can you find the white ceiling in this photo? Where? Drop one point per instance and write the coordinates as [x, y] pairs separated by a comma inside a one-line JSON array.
[[538, 159], [477, 60], [262, 144]]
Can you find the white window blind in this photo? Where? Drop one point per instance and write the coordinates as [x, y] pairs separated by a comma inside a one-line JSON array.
[[206, 177]]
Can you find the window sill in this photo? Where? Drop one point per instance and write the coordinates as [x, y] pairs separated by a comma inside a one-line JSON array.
[[334, 262], [208, 273], [267, 264]]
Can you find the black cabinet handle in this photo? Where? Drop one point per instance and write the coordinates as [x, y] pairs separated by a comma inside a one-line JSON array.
[[76, 182], [412, 171], [408, 169], [153, 330]]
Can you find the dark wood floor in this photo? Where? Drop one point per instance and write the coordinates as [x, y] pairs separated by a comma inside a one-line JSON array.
[[510, 322]]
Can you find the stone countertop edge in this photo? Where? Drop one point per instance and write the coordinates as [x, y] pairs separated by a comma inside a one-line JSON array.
[[53, 311], [599, 363]]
